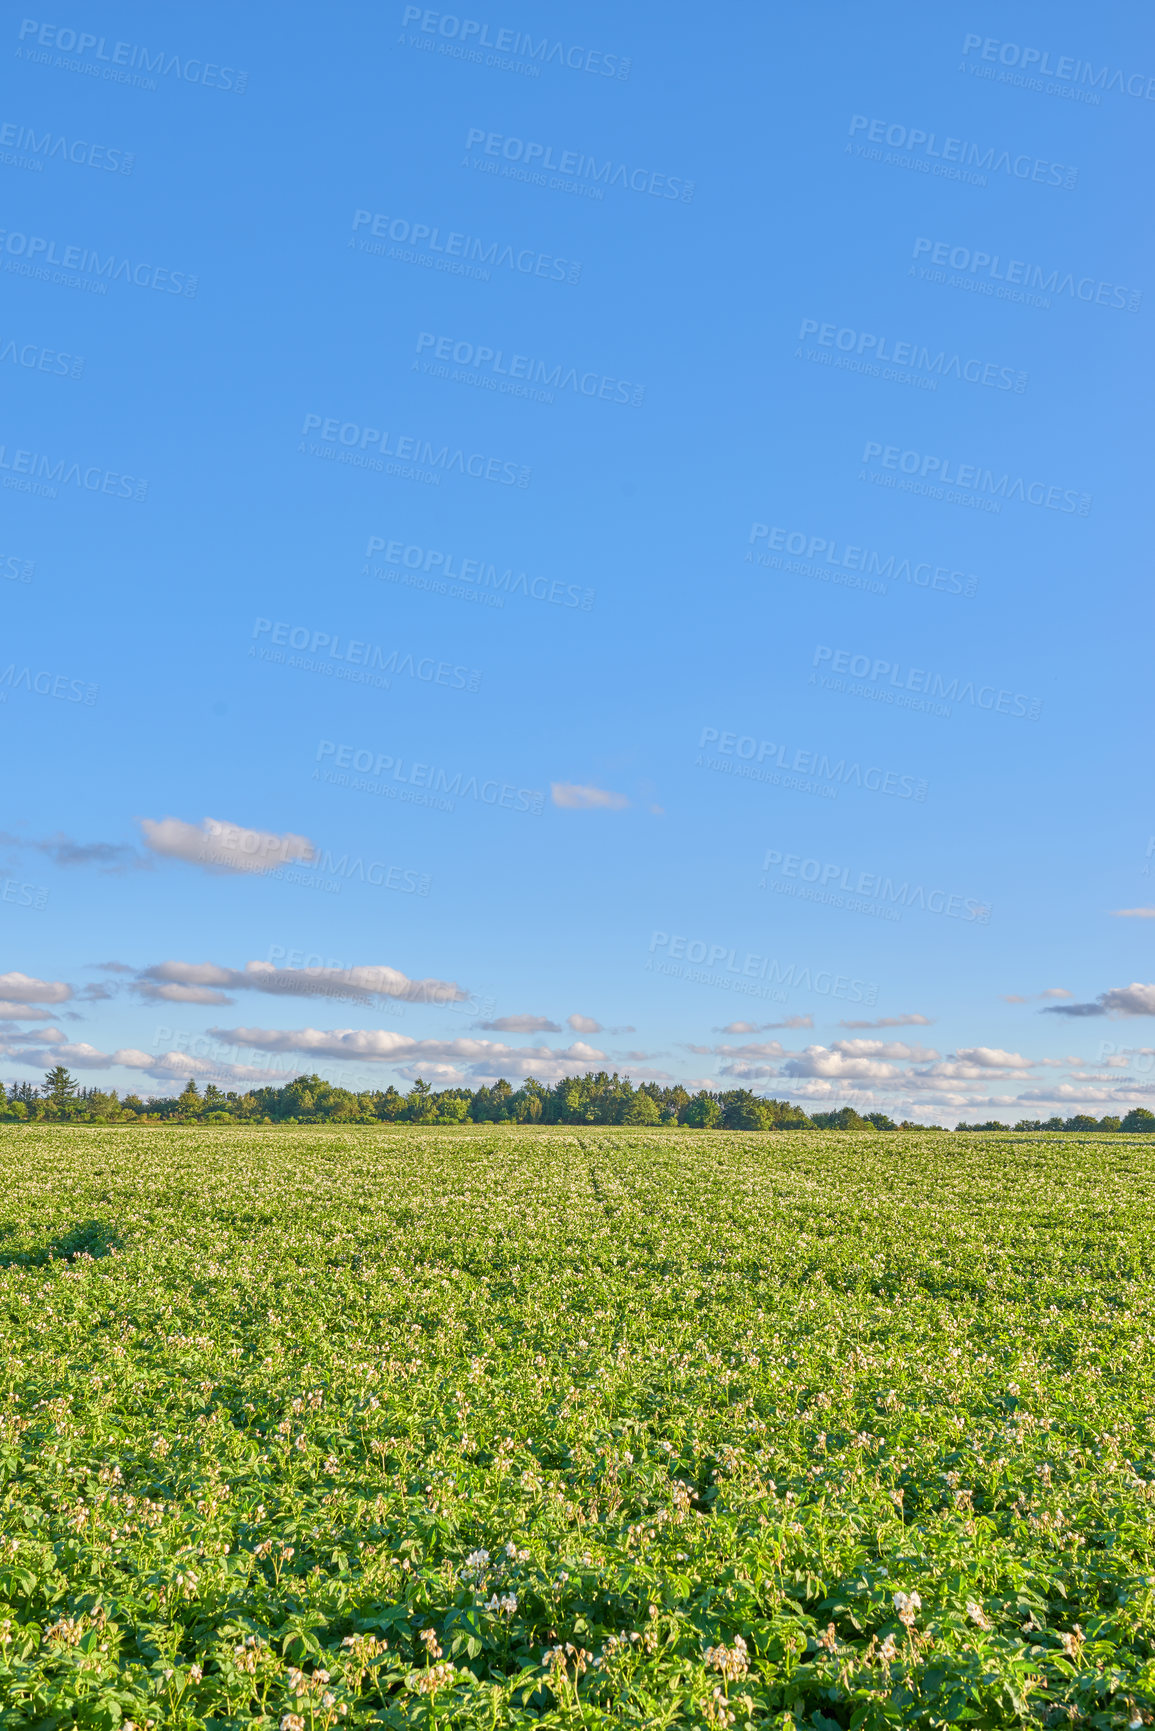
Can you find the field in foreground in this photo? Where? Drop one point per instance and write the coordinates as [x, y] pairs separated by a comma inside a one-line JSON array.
[[305, 1428]]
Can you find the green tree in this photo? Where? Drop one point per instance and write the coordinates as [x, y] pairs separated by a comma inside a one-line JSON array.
[[452, 1107], [704, 1112], [189, 1102], [390, 1105], [742, 1110], [642, 1109], [846, 1118], [420, 1106], [59, 1088], [1139, 1118]]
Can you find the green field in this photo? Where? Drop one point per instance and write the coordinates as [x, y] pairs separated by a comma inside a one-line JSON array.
[[496, 1426]]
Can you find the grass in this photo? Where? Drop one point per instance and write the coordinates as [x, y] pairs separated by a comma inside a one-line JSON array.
[[490, 1427]]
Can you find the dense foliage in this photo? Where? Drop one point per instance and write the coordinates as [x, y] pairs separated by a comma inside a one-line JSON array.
[[500, 1426], [590, 1099]]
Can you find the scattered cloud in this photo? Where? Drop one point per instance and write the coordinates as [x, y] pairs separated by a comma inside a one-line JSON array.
[[1048, 992], [26, 989], [1132, 1000], [1133, 913], [224, 847], [993, 1058], [164, 1067], [113, 967], [587, 1025], [481, 1059], [764, 1049], [829, 1062], [912, 1021], [895, 1049], [521, 1025], [111, 858], [24, 1013], [206, 983], [765, 1027], [571, 797]]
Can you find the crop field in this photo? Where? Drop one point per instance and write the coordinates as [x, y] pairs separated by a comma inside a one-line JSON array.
[[305, 1428]]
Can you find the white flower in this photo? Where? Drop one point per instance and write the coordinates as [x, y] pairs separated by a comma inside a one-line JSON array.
[[908, 1605]]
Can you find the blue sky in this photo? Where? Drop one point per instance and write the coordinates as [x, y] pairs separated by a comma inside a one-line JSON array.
[[563, 538]]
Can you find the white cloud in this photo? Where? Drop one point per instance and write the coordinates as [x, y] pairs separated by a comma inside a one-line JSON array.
[[521, 1025], [760, 1049], [829, 1062], [166, 1067], [24, 1013], [585, 1025], [993, 1058], [571, 797], [911, 1021], [25, 989], [1133, 913], [884, 1049], [480, 1058], [224, 847], [1132, 1000], [172, 994], [764, 1027], [178, 981]]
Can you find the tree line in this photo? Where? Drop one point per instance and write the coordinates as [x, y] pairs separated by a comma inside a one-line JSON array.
[[595, 1098]]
